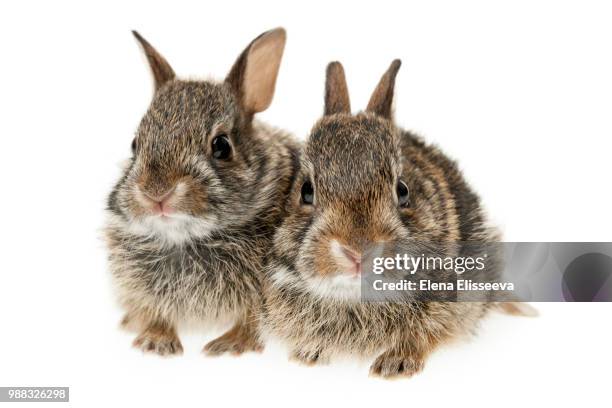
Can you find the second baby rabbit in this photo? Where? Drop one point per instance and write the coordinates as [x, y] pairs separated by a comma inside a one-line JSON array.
[[363, 181], [193, 214]]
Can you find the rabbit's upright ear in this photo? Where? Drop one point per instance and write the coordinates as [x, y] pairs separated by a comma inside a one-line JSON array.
[[162, 71], [381, 100], [253, 76], [336, 92]]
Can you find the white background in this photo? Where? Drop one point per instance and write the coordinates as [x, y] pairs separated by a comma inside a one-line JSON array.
[[520, 94]]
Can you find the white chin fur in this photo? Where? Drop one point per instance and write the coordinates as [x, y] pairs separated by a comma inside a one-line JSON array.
[[341, 287], [174, 230]]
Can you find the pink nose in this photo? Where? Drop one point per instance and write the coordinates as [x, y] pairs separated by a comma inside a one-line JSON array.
[[347, 258], [159, 203]]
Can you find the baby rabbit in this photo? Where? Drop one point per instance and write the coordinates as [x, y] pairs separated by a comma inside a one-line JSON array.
[[194, 212], [363, 182]]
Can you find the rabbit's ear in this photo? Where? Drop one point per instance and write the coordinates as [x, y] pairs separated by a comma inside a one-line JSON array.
[[253, 76], [162, 71], [382, 98], [336, 92]]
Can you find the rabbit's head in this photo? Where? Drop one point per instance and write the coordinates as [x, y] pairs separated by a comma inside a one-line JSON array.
[[364, 187], [195, 163]]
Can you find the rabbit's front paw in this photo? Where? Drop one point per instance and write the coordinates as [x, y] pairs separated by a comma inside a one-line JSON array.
[[308, 357], [238, 340], [156, 340], [393, 365]]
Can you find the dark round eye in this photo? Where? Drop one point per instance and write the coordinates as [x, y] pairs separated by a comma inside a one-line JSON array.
[[402, 194], [134, 145], [221, 148], [307, 193]]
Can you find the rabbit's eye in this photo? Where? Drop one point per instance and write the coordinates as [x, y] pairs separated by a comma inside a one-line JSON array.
[[402, 194], [307, 193], [134, 145], [221, 147]]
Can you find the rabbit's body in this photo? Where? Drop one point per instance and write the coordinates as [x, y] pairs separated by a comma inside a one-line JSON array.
[[366, 327], [356, 171], [192, 217], [318, 327], [215, 277]]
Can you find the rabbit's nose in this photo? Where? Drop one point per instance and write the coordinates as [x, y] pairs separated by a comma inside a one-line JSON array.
[[347, 258], [159, 203]]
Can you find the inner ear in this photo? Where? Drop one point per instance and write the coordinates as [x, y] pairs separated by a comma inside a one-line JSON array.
[[336, 91], [253, 76], [162, 71], [381, 100]]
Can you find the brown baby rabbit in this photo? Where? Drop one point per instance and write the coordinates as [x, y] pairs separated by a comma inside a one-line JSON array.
[[364, 181], [194, 212]]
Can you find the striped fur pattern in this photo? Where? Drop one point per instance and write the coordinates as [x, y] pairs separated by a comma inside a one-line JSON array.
[[354, 163], [203, 261]]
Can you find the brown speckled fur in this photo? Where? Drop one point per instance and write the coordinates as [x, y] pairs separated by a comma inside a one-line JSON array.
[[354, 163], [206, 265]]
